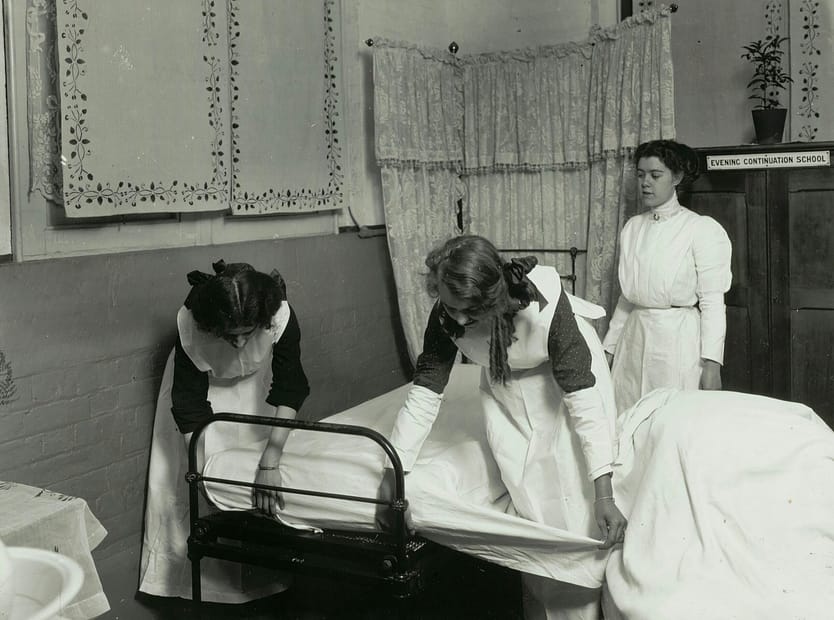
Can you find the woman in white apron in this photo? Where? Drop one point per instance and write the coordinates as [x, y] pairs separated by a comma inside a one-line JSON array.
[[669, 325], [549, 405], [238, 351]]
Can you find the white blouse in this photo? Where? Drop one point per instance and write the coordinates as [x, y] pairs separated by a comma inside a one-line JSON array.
[[671, 256]]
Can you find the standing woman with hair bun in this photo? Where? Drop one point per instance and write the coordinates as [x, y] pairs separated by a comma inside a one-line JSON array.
[[669, 325], [238, 350], [548, 406]]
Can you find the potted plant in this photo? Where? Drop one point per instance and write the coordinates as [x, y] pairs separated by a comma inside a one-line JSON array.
[[768, 79]]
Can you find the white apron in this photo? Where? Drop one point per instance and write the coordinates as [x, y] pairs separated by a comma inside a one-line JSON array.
[[663, 350], [239, 382], [537, 451]]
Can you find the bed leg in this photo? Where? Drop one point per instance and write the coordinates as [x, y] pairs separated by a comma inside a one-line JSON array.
[[196, 588]]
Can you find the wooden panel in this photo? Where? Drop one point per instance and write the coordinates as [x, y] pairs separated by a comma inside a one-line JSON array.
[[812, 239], [779, 235], [812, 337], [812, 178], [737, 200], [737, 372]]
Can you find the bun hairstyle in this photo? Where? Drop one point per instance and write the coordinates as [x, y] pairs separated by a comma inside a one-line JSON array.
[[235, 296], [471, 268], [678, 157]]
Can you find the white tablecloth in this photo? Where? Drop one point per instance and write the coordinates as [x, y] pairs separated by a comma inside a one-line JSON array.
[[33, 517]]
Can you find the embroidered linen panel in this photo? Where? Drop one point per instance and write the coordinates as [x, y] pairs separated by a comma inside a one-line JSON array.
[[143, 106], [811, 52], [194, 105], [285, 106]]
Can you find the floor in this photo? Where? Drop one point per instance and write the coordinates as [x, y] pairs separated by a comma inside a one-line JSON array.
[[469, 589]]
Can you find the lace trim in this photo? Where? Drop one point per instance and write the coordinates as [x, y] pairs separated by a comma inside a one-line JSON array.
[[529, 54], [649, 16], [395, 162]]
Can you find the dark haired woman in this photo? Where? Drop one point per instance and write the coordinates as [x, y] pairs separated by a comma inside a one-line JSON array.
[[548, 403], [238, 350], [669, 325]]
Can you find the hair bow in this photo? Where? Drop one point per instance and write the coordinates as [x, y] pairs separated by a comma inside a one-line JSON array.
[[516, 268]]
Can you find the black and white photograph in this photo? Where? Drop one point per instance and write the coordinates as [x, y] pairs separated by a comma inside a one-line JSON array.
[[417, 310]]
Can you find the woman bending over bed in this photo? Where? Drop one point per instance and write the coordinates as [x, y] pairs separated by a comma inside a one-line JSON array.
[[238, 350], [548, 401]]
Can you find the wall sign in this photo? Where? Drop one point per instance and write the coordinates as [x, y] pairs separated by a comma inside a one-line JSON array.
[[788, 159]]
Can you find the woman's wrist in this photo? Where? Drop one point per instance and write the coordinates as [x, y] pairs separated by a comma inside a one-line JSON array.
[[603, 488]]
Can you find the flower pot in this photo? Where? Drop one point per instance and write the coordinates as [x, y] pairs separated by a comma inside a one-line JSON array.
[[769, 125]]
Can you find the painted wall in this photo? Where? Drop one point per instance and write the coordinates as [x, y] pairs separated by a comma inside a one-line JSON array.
[[85, 340], [711, 104]]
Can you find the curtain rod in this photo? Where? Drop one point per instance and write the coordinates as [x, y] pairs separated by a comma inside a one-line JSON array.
[[453, 47]]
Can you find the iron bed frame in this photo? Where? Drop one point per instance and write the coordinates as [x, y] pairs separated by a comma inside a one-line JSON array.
[[400, 562]]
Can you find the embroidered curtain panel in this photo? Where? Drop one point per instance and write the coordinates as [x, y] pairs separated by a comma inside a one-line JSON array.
[[547, 138], [418, 111], [186, 106]]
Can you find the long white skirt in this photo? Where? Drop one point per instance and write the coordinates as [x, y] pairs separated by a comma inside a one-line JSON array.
[[165, 569]]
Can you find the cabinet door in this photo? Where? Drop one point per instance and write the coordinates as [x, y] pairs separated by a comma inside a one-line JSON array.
[[811, 289], [737, 200]]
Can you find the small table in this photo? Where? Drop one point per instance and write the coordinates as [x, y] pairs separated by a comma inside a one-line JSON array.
[[33, 517]]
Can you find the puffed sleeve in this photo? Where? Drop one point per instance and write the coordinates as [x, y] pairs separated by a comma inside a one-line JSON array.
[[615, 326], [189, 392], [422, 404], [712, 252], [289, 383], [570, 359]]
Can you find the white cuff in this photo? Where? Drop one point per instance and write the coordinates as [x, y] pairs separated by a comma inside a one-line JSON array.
[[594, 425], [414, 423]]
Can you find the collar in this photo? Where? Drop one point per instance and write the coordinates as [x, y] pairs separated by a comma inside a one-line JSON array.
[[667, 210]]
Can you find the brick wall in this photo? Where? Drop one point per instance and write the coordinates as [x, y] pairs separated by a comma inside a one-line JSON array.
[[84, 342]]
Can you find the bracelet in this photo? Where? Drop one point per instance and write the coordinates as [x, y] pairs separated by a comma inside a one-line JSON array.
[[262, 468], [599, 499]]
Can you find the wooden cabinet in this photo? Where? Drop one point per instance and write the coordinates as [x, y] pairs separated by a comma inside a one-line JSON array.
[[780, 309]]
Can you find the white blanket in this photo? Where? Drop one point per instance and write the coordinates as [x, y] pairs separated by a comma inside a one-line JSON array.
[[729, 498]]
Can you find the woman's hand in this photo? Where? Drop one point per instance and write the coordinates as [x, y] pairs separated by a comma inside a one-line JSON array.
[[611, 522], [710, 375], [265, 500]]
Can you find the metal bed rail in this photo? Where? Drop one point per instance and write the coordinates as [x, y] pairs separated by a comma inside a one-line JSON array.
[[390, 557]]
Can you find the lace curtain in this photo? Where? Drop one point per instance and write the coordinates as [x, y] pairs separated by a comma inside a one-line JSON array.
[[545, 151], [418, 111], [631, 100], [526, 149]]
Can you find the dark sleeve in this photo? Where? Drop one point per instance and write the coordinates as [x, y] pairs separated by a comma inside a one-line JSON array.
[[289, 383], [434, 365], [189, 392], [570, 356]]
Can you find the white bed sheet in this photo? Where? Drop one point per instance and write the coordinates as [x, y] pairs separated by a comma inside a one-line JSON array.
[[455, 493]]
